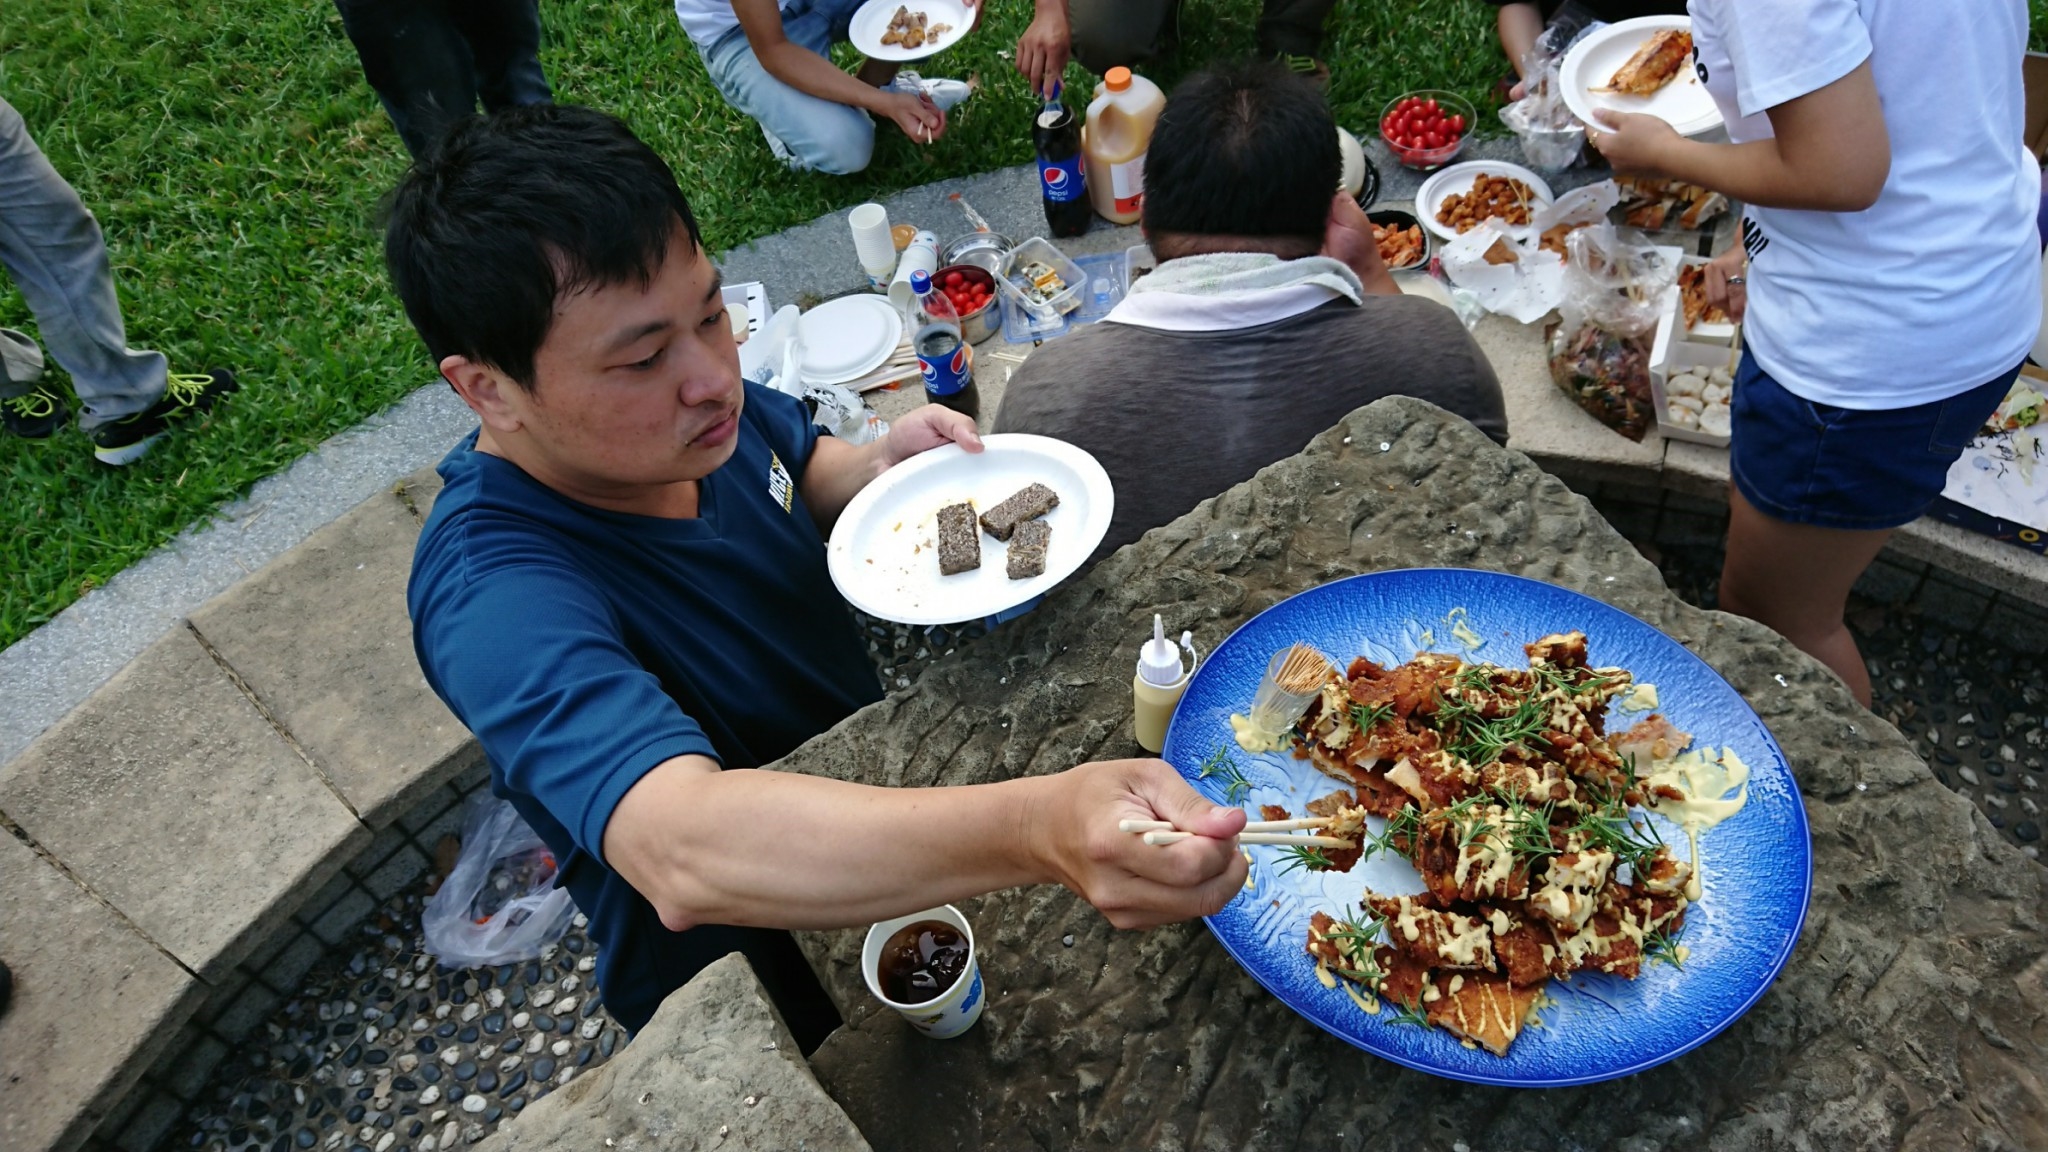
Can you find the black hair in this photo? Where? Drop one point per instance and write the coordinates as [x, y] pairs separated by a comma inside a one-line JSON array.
[[1243, 150], [515, 210]]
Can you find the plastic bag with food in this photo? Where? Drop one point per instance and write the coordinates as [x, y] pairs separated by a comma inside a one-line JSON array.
[[1552, 138], [1615, 282], [500, 904]]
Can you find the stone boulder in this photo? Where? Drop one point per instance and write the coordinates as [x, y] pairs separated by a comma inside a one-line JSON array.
[[714, 1069], [1913, 1014]]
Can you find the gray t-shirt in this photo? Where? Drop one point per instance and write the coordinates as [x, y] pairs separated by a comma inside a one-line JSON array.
[[1177, 417]]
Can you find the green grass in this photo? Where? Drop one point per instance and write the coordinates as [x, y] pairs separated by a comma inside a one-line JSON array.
[[234, 156]]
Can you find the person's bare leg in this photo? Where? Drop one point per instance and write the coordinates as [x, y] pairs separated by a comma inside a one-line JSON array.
[[1795, 580]]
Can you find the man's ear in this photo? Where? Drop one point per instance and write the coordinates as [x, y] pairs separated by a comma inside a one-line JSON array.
[[495, 399]]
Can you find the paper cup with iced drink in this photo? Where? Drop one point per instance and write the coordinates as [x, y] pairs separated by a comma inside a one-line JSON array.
[[923, 965]]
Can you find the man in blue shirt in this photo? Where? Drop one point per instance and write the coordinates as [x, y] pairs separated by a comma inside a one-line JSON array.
[[622, 590]]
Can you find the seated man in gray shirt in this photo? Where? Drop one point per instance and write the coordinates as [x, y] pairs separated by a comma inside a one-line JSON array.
[[1269, 317]]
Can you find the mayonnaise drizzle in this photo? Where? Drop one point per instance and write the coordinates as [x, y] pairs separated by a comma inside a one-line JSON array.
[[1706, 782], [1255, 739]]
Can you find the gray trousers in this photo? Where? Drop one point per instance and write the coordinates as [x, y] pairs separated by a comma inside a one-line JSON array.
[[51, 246]]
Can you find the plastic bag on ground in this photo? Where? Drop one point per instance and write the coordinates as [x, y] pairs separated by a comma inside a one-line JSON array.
[[1615, 285], [500, 904]]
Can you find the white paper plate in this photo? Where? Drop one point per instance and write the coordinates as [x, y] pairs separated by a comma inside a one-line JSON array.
[[884, 550], [1591, 63], [868, 25], [848, 338], [1458, 179]]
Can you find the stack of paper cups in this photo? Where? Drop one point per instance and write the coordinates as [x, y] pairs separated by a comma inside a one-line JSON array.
[[921, 256], [872, 243]]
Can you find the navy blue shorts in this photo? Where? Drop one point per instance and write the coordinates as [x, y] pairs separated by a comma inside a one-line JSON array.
[[1807, 463]]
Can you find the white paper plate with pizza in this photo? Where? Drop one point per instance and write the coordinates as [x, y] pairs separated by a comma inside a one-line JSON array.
[[885, 553]]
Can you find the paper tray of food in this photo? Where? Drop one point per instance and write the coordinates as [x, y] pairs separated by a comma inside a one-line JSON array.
[[1999, 486], [1696, 320], [1692, 382]]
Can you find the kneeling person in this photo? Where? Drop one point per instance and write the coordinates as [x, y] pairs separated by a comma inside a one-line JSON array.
[[622, 590], [1269, 317]]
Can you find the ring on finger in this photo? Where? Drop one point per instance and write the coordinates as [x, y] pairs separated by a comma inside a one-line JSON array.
[[1737, 281]]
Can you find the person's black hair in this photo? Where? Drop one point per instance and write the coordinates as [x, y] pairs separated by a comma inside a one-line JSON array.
[[512, 212], [1243, 150]]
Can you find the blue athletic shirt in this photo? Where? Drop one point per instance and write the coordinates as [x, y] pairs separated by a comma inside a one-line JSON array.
[[584, 647]]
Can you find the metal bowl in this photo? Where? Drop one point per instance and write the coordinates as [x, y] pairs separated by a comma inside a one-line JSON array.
[[986, 320], [983, 250]]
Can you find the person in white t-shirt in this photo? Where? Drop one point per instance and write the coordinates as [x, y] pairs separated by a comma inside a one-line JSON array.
[[772, 61], [1888, 282]]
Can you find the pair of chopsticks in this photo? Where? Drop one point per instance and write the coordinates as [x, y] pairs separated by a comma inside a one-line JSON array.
[[1255, 832]]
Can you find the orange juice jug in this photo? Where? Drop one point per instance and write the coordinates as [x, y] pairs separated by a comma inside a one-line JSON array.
[[1113, 142]]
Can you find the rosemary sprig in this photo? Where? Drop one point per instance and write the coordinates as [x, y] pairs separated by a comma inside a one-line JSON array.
[[1662, 946], [1410, 1013], [1633, 842], [1364, 717], [1304, 857], [1358, 941], [1404, 824], [1222, 765]]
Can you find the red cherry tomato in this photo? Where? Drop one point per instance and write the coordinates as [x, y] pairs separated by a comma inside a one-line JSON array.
[[1429, 105], [1436, 140], [1457, 123], [953, 279]]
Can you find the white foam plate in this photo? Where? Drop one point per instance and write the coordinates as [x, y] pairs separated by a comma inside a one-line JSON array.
[[884, 549], [1592, 62], [872, 20], [1458, 180], [848, 338]]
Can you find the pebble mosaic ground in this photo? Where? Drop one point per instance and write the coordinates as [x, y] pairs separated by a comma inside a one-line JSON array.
[[384, 1052]]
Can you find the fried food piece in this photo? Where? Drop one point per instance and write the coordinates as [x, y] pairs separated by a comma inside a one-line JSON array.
[[1399, 247], [1502, 252], [1027, 549], [914, 38], [938, 30], [1433, 936], [1552, 239], [1656, 63], [1491, 198], [1481, 1007], [892, 36], [1028, 503], [1692, 294], [959, 543]]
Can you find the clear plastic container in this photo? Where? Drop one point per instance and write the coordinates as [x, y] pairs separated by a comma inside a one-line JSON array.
[[1113, 142], [1038, 250]]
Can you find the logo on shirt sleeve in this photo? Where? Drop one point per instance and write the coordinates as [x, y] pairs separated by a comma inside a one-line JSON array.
[[781, 488]]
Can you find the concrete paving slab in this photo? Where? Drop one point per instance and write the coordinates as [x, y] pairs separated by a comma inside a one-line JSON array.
[[1543, 421], [93, 1005], [170, 796], [322, 638]]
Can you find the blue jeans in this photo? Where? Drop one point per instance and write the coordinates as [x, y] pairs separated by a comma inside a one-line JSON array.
[[51, 247], [817, 134]]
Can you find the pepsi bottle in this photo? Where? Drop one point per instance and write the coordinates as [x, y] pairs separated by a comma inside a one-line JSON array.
[[1061, 182], [943, 358]]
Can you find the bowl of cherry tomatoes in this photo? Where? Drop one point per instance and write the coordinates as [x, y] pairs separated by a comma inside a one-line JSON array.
[[1427, 129], [972, 290]]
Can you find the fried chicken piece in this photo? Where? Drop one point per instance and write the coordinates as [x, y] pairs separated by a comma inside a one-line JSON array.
[[1480, 1007], [1652, 738], [1656, 63], [1434, 936]]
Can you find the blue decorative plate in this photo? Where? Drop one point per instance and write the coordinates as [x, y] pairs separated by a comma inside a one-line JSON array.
[[1757, 868]]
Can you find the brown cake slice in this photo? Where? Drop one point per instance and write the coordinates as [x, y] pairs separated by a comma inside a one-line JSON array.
[[1027, 549], [1030, 502], [959, 540]]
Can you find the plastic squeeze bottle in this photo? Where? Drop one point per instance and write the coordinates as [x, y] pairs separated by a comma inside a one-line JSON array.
[[1113, 142], [1158, 686]]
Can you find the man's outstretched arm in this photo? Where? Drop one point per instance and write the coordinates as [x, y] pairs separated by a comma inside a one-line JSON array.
[[775, 849]]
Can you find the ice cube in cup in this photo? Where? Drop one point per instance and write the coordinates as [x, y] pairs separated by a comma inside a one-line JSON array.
[[950, 1011]]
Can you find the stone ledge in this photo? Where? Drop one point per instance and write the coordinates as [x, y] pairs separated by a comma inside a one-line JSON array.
[[168, 795], [714, 1069], [86, 987], [321, 638]]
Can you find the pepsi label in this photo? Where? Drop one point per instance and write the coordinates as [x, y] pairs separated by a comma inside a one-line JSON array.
[[1061, 180], [942, 360]]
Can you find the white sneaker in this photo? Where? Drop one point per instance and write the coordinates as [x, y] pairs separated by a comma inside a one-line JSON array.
[[945, 94]]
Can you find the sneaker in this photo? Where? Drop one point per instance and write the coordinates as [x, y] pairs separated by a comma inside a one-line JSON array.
[[35, 413], [124, 441]]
